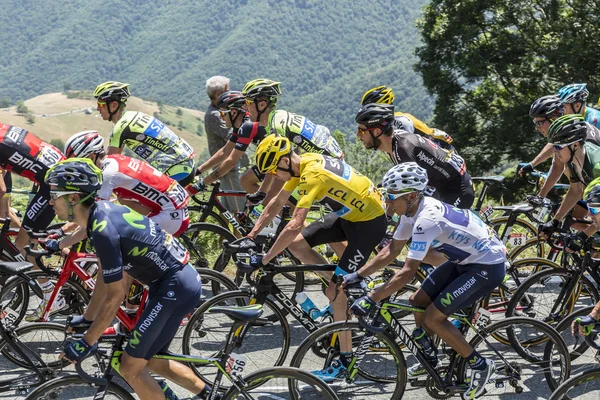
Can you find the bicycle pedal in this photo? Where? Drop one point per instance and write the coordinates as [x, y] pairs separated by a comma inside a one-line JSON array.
[[415, 382]]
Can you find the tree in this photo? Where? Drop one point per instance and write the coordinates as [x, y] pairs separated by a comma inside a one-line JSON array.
[[179, 112], [200, 130], [4, 102], [21, 107], [58, 143], [488, 60], [66, 87], [180, 125], [30, 118]]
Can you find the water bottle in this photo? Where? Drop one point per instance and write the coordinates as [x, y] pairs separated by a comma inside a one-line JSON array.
[[307, 305], [326, 311], [169, 394], [457, 323], [424, 342], [243, 219], [272, 227]]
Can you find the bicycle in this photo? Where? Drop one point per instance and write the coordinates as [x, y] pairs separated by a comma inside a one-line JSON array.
[[585, 385], [280, 382], [377, 355]]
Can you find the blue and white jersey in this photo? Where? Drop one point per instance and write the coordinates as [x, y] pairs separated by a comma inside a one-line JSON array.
[[592, 116], [459, 234]]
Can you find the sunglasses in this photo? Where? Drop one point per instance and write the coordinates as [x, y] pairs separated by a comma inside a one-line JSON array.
[[594, 210], [249, 101], [55, 194], [541, 122], [362, 131], [559, 147], [394, 196], [101, 104], [223, 113]]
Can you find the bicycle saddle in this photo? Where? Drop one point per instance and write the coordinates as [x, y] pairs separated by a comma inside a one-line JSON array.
[[495, 178], [14, 268], [244, 314]]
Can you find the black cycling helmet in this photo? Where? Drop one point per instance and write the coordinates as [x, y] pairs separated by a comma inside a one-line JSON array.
[[232, 99], [379, 94], [567, 129], [374, 115], [547, 106], [75, 174]]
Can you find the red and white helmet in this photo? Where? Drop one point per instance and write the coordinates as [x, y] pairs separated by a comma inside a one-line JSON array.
[[83, 144]]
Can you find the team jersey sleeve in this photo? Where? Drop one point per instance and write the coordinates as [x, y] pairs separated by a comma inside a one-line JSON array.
[[424, 234], [246, 135], [308, 190], [109, 169], [291, 185], [106, 240], [404, 230]]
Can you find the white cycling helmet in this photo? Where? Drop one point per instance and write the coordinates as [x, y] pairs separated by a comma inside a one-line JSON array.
[[405, 177], [83, 144]]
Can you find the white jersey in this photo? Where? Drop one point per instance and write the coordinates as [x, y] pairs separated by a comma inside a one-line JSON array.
[[459, 234]]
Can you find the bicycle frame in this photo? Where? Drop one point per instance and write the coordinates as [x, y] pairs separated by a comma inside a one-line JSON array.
[[74, 265]]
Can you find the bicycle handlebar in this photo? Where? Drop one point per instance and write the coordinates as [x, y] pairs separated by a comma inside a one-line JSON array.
[[589, 338]]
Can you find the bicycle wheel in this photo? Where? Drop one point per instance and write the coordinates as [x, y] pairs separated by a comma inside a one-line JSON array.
[[533, 247], [265, 342], [204, 242], [214, 283], [213, 217], [580, 387], [537, 297], [282, 383], [515, 373], [520, 226], [73, 387], [382, 370]]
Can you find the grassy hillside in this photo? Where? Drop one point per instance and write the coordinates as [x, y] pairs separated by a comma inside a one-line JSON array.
[[59, 117], [326, 53]]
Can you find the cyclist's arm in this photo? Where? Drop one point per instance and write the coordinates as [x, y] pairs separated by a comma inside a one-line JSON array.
[[274, 189], [70, 240], [574, 194], [383, 258], [545, 154], [398, 281], [2, 184], [114, 150], [218, 157], [226, 166], [115, 293], [556, 171], [266, 184], [270, 211], [596, 312], [289, 233]]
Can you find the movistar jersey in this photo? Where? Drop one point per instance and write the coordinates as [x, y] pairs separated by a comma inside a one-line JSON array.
[[592, 116], [133, 179], [25, 154], [459, 234], [310, 137], [126, 241], [151, 140], [336, 184]]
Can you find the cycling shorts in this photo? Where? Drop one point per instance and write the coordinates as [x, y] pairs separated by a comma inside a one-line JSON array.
[[461, 196], [452, 286], [170, 300], [362, 237], [183, 172], [8, 182], [174, 222], [39, 213]]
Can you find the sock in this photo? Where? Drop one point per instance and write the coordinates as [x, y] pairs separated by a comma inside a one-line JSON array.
[[345, 358], [476, 361], [204, 393], [47, 289]]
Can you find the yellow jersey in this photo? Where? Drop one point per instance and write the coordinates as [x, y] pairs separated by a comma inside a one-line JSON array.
[[333, 182]]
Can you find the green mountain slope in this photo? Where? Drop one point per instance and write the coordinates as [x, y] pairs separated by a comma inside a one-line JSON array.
[[325, 52]]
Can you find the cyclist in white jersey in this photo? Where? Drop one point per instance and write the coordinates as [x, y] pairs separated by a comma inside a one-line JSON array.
[[474, 266]]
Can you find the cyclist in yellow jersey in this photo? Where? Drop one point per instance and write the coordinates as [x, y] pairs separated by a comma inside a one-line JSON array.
[[146, 136], [355, 202]]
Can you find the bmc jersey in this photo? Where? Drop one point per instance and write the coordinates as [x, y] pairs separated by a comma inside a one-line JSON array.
[[249, 132], [25, 154], [459, 234], [302, 132], [336, 184], [126, 241], [151, 140], [410, 123], [443, 167], [592, 116], [133, 179]]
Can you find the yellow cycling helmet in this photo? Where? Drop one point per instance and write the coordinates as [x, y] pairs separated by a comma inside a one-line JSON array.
[[379, 94], [112, 91], [269, 152], [262, 88]]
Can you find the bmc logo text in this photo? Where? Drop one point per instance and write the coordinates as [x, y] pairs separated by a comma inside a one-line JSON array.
[[23, 162]]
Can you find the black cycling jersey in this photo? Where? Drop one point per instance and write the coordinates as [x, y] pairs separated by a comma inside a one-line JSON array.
[[249, 132], [127, 241], [443, 167]]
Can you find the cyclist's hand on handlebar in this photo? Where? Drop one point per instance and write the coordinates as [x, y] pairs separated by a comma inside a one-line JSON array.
[[254, 199], [547, 228], [537, 201], [524, 168], [55, 233], [574, 243], [583, 325], [256, 261], [363, 306], [78, 324], [351, 278], [195, 188], [52, 245], [77, 351]]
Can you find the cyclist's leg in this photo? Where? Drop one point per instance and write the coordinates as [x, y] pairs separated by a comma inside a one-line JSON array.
[[251, 179], [462, 198], [183, 172], [325, 230], [5, 202]]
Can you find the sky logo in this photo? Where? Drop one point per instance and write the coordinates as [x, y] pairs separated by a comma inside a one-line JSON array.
[[418, 246]]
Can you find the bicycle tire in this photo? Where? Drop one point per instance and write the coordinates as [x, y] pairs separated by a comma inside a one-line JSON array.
[[397, 373], [320, 390], [55, 389], [565, 326], [542, 251], [212, 217], [522, 225], [205, 250], [562, 392], [543, 359], [197, 324], [218, 281]]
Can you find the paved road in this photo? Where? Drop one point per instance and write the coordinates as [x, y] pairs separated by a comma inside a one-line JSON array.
[[262, 349]]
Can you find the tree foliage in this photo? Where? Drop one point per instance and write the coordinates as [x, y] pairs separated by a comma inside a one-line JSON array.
[[488, 60]]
